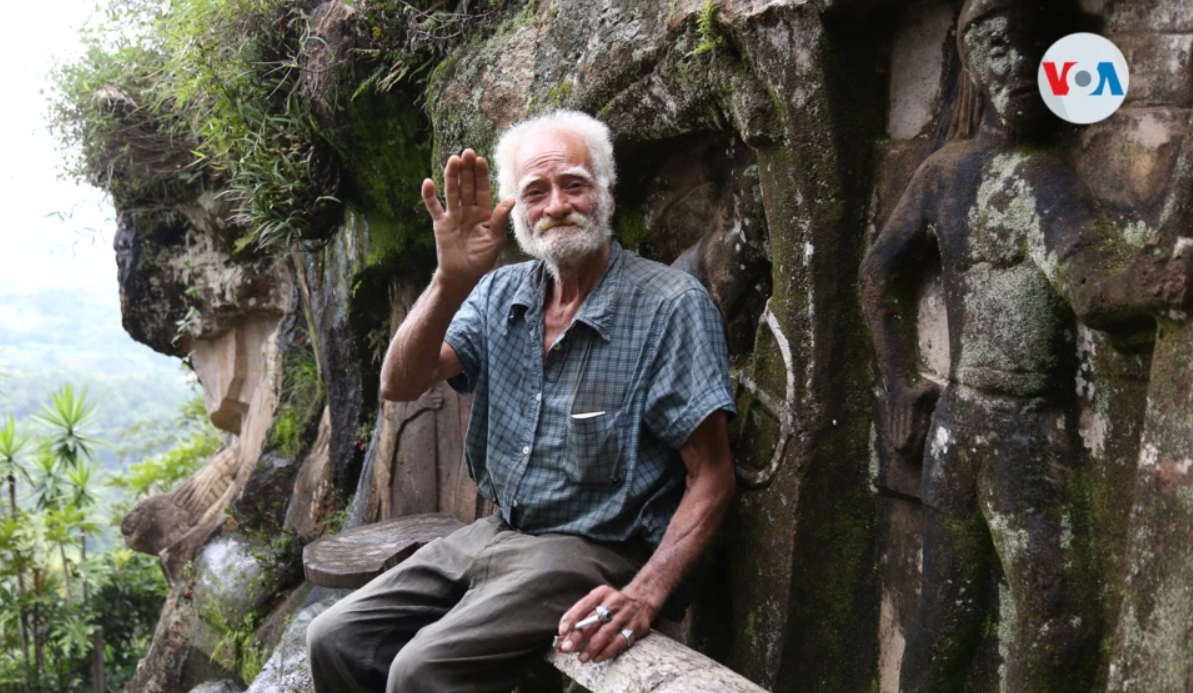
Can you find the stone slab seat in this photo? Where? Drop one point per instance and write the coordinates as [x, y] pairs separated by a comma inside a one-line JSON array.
[[656, 663]]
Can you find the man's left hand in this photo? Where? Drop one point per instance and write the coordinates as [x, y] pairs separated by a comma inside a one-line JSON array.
[[605, 641]]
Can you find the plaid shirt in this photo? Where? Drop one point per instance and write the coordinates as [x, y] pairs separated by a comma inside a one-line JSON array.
[[587, 440]]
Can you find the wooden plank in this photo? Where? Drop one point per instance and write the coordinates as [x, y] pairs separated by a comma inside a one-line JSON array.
[[353, 557], [655, 664]]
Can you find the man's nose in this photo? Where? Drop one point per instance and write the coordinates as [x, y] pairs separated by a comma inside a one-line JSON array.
[[557, 203]]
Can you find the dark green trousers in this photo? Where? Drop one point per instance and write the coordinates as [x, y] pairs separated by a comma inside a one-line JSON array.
[[464, 614]]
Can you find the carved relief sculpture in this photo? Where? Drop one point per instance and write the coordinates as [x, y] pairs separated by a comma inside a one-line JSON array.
[[238, 370], [1023, 249]]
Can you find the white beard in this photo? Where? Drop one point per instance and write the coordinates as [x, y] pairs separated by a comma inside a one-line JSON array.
[[569, 242]]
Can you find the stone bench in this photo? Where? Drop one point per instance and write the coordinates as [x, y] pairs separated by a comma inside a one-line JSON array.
[[656, 664]]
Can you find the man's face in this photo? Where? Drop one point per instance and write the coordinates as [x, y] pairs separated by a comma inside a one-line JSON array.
[[562, 215], [1003, 52]]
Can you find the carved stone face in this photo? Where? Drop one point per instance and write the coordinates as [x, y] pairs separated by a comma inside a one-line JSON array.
[[1002, 52]]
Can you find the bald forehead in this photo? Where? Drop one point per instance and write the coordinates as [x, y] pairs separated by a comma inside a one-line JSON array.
[[547, 150]]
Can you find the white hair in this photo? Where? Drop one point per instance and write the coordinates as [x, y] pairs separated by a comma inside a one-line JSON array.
[[593, 132]]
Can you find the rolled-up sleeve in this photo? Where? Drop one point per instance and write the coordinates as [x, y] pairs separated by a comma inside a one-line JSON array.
[[466, 334], [690, 376]]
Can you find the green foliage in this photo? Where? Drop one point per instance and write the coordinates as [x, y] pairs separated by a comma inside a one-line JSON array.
[[13, 466], [706, 29], [189, 443], [162, 472], [128, 597], [160, 431], [334, 523], [232, 73], [102, 109], [54, 594], [69, 417], [287, 431], [302, 397], [406, 39], [171, 99], [237, 644]]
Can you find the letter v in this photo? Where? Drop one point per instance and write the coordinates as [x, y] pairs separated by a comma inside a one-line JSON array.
[[1058, 83]]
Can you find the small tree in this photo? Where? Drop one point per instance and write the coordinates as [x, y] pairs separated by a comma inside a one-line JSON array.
[[81, 499], [12, 463]]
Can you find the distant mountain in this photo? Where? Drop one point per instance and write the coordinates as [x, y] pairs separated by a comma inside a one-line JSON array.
[[50, 337], [72, 330]]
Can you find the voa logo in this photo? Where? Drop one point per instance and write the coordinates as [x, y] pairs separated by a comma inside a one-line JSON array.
[[1084, 78]]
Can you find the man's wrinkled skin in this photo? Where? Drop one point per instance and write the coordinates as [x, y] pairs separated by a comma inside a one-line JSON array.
[[561, 206], [1020, 241]]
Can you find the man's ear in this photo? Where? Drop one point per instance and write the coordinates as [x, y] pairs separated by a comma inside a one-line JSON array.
[[612, 204]]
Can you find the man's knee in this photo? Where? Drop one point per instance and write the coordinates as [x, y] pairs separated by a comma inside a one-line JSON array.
[[412, 670], [323, 634]]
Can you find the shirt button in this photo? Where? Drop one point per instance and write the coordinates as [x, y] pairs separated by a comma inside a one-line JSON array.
[[515, 503], [538, 396], [556, 347], [525, 449]]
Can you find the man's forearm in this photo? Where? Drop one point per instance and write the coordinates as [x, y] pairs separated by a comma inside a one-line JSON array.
[[411, 361], [891, 322], [688, 536]]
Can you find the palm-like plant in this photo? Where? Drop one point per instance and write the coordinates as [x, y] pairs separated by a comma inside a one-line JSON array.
[[47, 482], [68, 420], [12, 463]]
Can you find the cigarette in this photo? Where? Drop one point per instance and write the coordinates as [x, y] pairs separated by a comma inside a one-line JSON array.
[[558, 639]]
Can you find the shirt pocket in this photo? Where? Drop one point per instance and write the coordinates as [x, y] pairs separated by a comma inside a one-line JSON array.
[[594, 449]]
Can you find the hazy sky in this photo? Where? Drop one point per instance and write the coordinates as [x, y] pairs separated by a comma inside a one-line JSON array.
[[54, 234], [37, 250]]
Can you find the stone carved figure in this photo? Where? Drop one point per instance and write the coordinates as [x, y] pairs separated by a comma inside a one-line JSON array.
[[161, 522], [1025, 254]]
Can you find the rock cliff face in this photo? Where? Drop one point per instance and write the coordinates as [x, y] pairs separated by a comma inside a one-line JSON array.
[[764, 147]]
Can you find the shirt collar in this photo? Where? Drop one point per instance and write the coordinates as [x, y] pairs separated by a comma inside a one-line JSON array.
[[597, 309]]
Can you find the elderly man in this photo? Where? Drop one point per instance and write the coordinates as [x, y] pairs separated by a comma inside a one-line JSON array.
[[599, 379]]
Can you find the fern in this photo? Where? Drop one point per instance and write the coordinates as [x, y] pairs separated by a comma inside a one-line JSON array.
[[706, 29]]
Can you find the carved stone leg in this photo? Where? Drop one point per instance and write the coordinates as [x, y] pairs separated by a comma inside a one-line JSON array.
[[957, 557], [948, 621], [1045, 632], [1048, 623]]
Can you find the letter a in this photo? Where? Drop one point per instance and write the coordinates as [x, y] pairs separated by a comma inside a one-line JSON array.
[[1058, 83], [1107, 76]]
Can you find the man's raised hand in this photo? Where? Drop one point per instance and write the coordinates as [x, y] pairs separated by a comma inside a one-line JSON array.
[[468, 235]]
